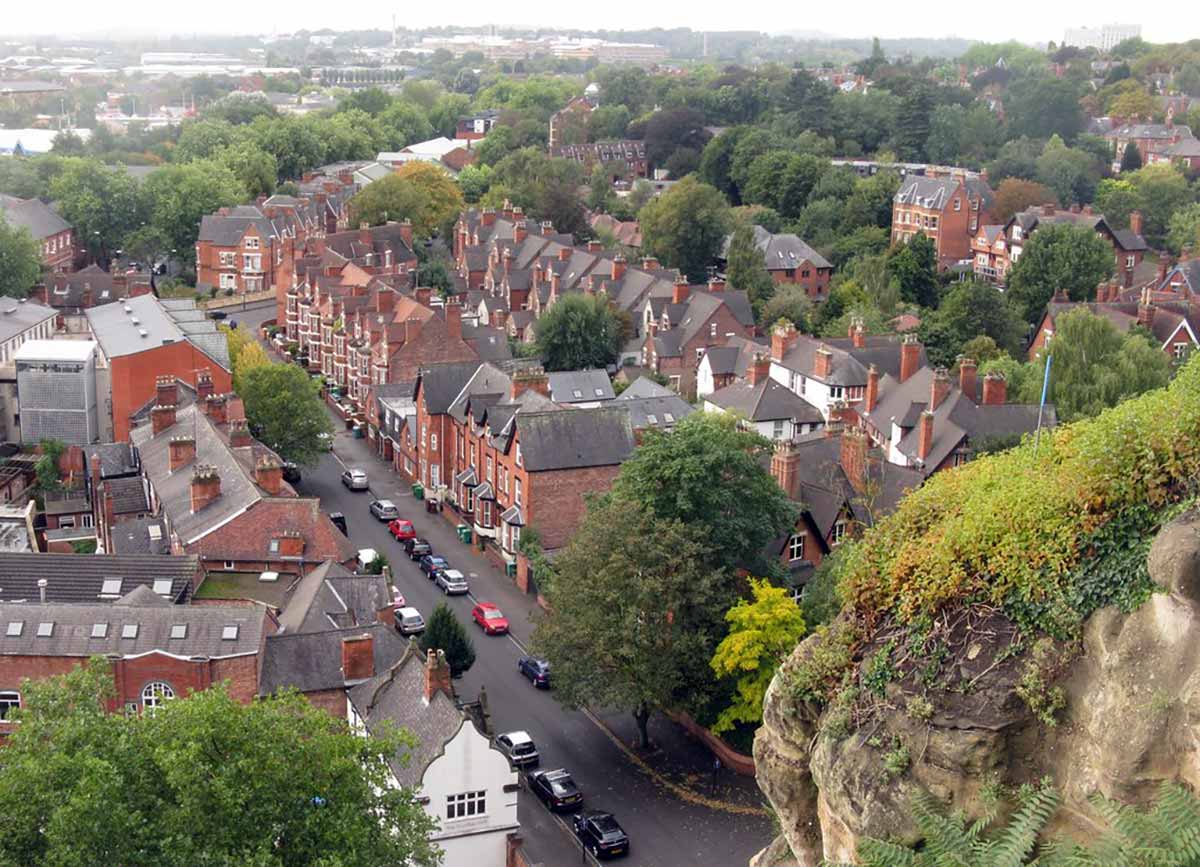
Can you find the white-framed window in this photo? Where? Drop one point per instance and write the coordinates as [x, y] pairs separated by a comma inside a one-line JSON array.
[[228, 281], [435, 475], [433, 442], [466, 804], [516, 536], [835, 392], [252, 262], [957, 204], [227, 259], [229, 565], [777, 431], [1180, 350], [796, 547], [155, 695], [66, 522], [517, 490], [252, 243], [712, 330], [1129, 263], [699, 352], [10, 700], [838, 533], [519, 454]]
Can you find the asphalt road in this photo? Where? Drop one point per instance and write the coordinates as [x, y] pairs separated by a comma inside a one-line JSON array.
[[664, 830]]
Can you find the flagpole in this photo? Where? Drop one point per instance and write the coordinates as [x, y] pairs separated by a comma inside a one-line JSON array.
[[1042, 406]]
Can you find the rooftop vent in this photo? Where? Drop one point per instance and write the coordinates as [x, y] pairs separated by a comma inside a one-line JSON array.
[[128, 309], [142, 332], [135, 320]]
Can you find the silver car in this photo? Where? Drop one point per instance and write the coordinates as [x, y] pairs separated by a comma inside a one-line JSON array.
[[452, 581], [409, 621], [519, 748], [384, 510], [355, 480]]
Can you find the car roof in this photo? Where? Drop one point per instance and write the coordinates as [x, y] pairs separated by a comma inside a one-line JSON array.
[[491, 605], [518, 737], [387, 503], [556, 774], [452, 573], [355, 471], [409, 612]]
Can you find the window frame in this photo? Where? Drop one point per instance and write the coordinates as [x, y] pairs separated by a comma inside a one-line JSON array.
[[466, 805], [155, 694], [795, 546], [10, 700]]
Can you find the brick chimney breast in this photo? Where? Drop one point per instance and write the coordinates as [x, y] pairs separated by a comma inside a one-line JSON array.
[[181, 452], [995, 389], [358, 657], [939, 389], [871, 399], [854, 457], [215, 408], [166, 391], [967, 377], [910, 356], [760, 368], [783, 337], [925, 435], [680, 291], [204, 385], [520, 232], [268, 473], [1146, 309], [206, 486], [618, 267], [1135, 221], [822, 362], [532, 379], [785, 466], [161, 418], [454, 321], [858, 332], [437, 675]]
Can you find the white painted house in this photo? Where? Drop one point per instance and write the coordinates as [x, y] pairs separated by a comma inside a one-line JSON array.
[[464, 784]]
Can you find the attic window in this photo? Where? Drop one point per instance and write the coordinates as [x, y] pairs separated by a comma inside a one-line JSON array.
[[111, 587], [577, 393], [99, 630], [129, 630], [45, 630], [229, 633], [668, 418], [162, 586], [178, 630], [652, 418], [15, 628], [599, 392]]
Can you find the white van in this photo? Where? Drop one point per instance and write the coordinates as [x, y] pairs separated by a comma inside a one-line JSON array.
[[409, 621]]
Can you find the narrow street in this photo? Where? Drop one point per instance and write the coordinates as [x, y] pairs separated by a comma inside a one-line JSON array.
[[665, 830]]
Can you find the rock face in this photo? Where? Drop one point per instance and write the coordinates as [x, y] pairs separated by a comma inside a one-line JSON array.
[[1131, 721]]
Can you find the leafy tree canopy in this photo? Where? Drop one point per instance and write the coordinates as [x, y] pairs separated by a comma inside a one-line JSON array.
[[418, 191], [286, 412], [445, 633], [20, 261], [578, 332], [1058, 256]]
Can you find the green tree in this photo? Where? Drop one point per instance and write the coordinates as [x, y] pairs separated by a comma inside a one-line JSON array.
[[445, 633], [200, 139], [745, 268], [474, 181], [103, 204], [1116, 199], [1058, 256], [913, 267], [419, 191], [1071, 173], [686, 226], [633, 612], [20, 261], [762, 633], [1162, 190], [498, 144], [578, 332], [969, 310], [205, 779], [177, 196], [1043, 107], [253, 167], [709, 473], [285, 410], [1095, 366], [46, 468], [1131, 158], [716, 162], [404, 124], [790, 301], [295, 145], [1183, 229]]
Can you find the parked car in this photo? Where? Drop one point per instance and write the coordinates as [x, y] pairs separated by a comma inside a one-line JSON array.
[[537, 670], [384, 510], [601, 835], [339, 521], [417, 548], [490, 618], [452, 581], [291, 473], [355, 479], [556, 789], [397, 599], [409, 621], [431, 564], [401, 529], [518, 748], [217, 314]]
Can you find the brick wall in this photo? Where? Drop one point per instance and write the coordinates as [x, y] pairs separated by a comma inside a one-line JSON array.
[[332, 701], [133, 378], [555, 503]]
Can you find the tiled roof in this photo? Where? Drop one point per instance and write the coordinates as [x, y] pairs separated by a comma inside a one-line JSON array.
[[312, 661], [580, 386], [332, 597], [248, 536], [81, 577], [141, 536], [33, 215], [570, 440], [782, 252], [765, 401]]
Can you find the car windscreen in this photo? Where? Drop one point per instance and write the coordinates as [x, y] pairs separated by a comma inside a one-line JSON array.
[[492, 614], [522, 749]]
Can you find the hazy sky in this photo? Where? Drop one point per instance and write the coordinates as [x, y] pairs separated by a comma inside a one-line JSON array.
[[1023, 19]]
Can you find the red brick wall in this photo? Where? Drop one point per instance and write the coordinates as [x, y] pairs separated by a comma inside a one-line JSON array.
[[133, 378], [555, 504], [242, 674], [816, 284], [332, 701]]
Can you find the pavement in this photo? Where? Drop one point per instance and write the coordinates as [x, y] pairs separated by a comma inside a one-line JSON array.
[[673, 809]]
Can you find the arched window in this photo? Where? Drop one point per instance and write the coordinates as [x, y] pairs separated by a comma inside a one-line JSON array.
[[155, 695]]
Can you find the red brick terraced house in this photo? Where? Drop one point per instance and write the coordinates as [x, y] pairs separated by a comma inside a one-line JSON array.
[[1153, 140], [54, 235], [158, 651], [1174, 323], [948, 210]]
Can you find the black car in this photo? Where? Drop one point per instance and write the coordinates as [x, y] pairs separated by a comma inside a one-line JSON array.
[[217, 314], [556, 789], [339, 521], [431, 564], [417, 548], [291, 473], [537, 670], [601, 835]]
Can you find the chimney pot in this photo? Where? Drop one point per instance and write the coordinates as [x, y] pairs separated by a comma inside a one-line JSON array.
[[618, 267], [206, 487], [161, 418], [437, 675], [181, 452], [910, 356]]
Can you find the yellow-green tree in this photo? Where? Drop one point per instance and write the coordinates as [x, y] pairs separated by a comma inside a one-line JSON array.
[[418, 191], [762, 631], [249, 356]]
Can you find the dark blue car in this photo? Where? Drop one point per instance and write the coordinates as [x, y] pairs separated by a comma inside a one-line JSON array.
[[537, 670], [431, 564]]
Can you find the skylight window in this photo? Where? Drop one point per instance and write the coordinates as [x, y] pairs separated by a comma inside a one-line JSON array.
[[577, 393], [111, 587], [599, 392], [129, 630], [652, 418], [15, 628], [162, 586], [229, 633], [668, 418], [45, 630], [179, 630], [99, 630]]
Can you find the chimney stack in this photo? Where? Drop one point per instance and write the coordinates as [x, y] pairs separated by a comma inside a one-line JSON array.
[[520, 232], [204, 385], [161, 418], [454, 321], [925, 435], [649, 263], [364, 233], [437, 675], [534, 379], [206, 486], [358, 657], [716, 284], [858, 332], [508, 257], [910, 356], [1146, 309], [406, 232], [565, 253], [618, 267], [424, 295], [785, 466], [268, 473], [412, 327], [1135, 221], [871, 399], [822, 362], [182, 451], [42, 585], [547, 228], [215, 408], [487, 216], [1048, 209], [854, 457], [166, 391], [995, 389], [967, 377], [594, 247], [1164, 264], [783, 336], [680, 291], [940, 388], [760, 368]]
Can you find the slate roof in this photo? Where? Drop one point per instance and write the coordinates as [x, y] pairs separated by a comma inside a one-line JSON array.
[[129, 495], [735, 356], [332, 597], [167, 321], [781, 252], [580, 386], [695, 314], [141, 536], [16, 317], [33, 215], [441, 383], [312, 661], [81, 577], [765, 401], [66, 290], [849, 363], [934, 193], [396, 695], [644, 386], [73, 626], [658, 411], [597, 437], [116, 459]]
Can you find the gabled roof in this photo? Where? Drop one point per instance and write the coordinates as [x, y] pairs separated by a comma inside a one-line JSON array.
[[82, 577], [580, 386], [333, 597], [644, 386], [734, 357], [441, 383], [17, 317], [33, 215], [312, 661], [572, 440], [933, 193], [782, 252], [655, 411], [157, 323], [765, 401]]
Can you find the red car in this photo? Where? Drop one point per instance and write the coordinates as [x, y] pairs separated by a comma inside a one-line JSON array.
[[402, 529], [490, 618]]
